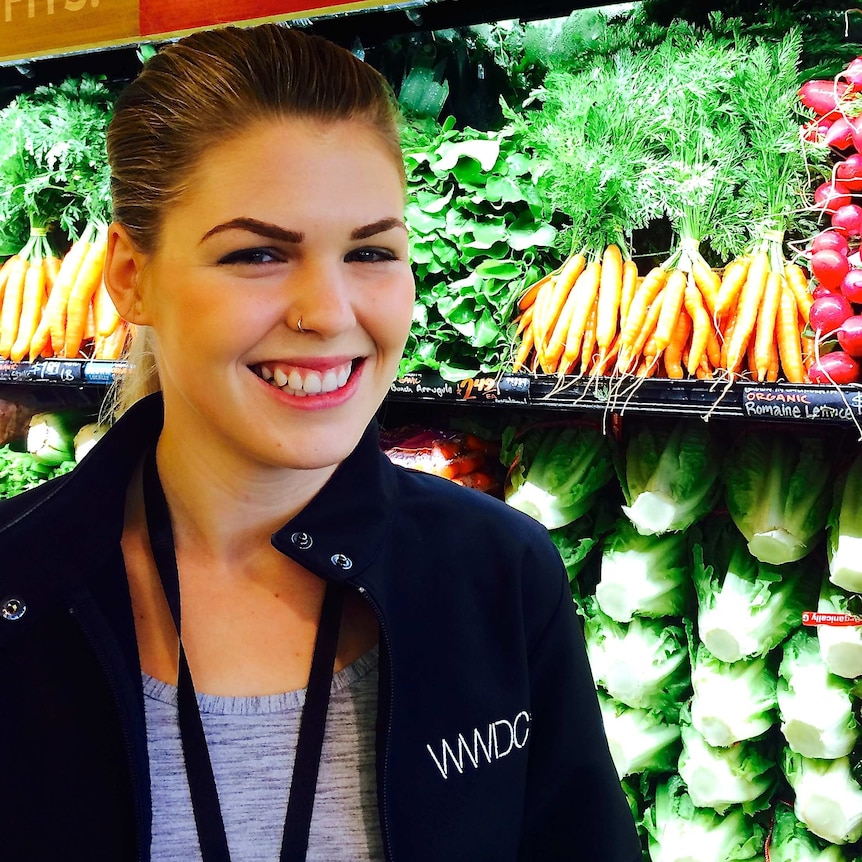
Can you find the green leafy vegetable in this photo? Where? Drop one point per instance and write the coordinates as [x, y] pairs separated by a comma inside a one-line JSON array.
[[790, 841], [840, 645], [845, 530]]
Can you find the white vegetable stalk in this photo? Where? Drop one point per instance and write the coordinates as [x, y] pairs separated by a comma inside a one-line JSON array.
[[720, 777], [87, 437], [840, 646], [845, 533], [791, 841], [815, 706], [639, 740], [828, 799], [731, 702]]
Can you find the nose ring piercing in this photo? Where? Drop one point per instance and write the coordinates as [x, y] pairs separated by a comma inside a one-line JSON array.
[[299, 325]]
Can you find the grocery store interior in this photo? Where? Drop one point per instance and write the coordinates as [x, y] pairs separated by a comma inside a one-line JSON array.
[[635, 233]]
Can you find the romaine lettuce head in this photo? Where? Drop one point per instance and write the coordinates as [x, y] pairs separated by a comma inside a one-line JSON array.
[[681, 832], [778, 489], [560, 483], [790, 841], [741, 774], [828, 798], [640, 740], [574, 542], [642, 664], [816, 707], [731, 702], [670, 479], [644, 575], [840, 646], [746, 607], [845, 530]]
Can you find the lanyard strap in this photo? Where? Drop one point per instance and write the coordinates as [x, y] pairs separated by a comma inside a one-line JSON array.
[[204, 795]]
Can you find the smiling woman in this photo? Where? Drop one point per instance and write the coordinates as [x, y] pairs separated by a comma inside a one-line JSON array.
[[251, 636]]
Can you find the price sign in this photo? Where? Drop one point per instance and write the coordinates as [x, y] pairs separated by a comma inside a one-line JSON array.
[[101, 371], [824, 404], [514, 387], [813, 618], [478, 389]]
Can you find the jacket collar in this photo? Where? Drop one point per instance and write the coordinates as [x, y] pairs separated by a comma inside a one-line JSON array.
[[54, 535]]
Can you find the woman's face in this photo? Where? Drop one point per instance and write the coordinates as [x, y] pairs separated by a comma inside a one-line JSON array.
[[295, 223]]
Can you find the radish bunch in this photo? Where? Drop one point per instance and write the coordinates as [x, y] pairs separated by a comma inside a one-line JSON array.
[[835, 315]]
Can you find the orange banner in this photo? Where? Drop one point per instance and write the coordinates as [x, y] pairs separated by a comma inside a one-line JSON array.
[[36, 28]]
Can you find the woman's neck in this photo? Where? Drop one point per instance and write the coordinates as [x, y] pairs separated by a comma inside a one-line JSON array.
[[224, 506]]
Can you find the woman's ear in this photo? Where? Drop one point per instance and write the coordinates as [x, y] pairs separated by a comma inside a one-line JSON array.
[[124, 266]]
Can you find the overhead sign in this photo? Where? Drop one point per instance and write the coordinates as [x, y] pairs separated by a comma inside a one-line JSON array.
[[37, 28]]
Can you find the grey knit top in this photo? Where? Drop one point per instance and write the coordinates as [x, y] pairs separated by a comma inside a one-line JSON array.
[[251, 742]]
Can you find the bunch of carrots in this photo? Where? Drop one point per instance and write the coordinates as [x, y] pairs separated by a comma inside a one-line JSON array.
[[59, 308], [601, 318]]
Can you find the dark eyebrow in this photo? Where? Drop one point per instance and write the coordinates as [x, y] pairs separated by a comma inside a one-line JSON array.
[[377, 227], [273, 231], [261, 228]]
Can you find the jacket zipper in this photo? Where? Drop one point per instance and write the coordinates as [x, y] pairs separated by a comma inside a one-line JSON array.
[[115, 691], [387, 840]]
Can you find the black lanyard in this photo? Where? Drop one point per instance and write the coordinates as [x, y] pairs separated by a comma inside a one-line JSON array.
[[205, 803]]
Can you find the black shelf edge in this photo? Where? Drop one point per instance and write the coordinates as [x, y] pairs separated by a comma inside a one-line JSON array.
[[63, 372], [700, 398]]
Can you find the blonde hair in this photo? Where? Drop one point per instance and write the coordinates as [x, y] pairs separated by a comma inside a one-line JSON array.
[[203, 91]]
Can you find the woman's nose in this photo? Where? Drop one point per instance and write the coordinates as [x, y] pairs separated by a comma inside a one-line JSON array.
[[320, 298]]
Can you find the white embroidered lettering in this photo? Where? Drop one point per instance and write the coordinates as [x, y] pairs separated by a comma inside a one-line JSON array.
[[502, 738]]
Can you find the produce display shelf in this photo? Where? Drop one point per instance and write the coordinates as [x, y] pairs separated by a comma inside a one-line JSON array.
[[704, 398], [68, 372]]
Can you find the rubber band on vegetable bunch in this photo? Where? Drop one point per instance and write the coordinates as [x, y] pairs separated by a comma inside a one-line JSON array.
[[588, 134]]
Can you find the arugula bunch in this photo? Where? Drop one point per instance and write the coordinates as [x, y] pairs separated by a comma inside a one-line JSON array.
[[478, 236]]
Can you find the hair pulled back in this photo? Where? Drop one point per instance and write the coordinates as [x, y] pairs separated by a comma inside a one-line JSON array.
[[205, 90]]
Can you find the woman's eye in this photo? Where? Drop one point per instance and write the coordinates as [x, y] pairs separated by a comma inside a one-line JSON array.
[[371, 255], [251, 256]]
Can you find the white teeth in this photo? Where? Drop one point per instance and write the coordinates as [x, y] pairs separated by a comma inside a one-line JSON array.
[[329, 382], [302, 383]]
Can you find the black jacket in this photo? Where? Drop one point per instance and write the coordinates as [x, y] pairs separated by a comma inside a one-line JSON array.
[[490, 741]]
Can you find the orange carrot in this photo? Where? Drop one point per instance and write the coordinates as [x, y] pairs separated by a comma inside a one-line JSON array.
[[588, 288], [112, 346], [789, 342], [735, 275], [59, 298], [773, 366], [713, 349], [642, 302], [798, 283], [11, 310], [630, 284], [103, 298], [87, 282], [7, 267], [674, 296], [529, 296], [746, 310], [523, 350], [764, 335], [588, 344], [608, 303], [701, 325], [33, 297], [707, 281], [644, 335], [679, 338], [557, 340]]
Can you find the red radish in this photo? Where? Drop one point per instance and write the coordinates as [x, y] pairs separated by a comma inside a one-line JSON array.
[[829, 267], [820, 290], [830, 239], [816, 130], [835, 367], [829, 312], [848, 220], [856, 132], [853, 73], [850, 171], [851, 286], [822, 96], [831, 196], [850, 335], [840, 134]]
